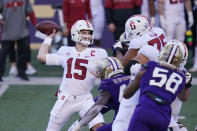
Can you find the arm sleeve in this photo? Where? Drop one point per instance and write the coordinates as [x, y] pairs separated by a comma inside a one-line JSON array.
[[53, 59], [32, 18], [134, 44], [65, 8]]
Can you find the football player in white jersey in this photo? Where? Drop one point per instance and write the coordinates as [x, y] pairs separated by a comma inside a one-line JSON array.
[[140, 33], [127, 106], [172, 17], [80, 64]]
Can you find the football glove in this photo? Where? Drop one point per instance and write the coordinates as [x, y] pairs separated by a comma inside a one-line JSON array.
[[117, 48], [188, 80], [75, 126], [134, 70], [190, 18]]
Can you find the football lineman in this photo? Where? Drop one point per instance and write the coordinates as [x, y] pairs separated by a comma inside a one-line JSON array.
[[113, 82], [140, 33], [177, 103], [159, 83], [127, 106], [80, 64], [172, 17]]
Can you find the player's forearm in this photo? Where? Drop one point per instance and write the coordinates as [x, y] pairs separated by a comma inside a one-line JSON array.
[[188, 6], [184, 94], [160, 7], [44, 49], [91, 114]]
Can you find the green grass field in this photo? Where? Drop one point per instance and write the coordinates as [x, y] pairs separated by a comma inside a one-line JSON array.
[[27, 107]]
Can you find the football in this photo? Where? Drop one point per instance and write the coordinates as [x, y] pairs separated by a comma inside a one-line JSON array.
[[47, 27]]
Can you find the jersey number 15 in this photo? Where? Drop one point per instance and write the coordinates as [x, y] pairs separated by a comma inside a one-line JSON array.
[[83, 69]]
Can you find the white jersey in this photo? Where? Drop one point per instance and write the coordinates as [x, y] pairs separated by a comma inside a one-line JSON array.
[[79, 68], [155, 37], [174, 8]]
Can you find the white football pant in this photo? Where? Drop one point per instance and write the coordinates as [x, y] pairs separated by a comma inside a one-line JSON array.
[[65, 106]]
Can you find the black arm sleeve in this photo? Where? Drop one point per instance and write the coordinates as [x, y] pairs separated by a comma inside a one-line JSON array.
[[128, 66]]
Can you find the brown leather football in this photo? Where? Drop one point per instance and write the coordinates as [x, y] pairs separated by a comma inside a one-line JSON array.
[[47, 27]]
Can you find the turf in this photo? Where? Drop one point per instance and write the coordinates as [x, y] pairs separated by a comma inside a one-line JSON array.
[[27, 108]]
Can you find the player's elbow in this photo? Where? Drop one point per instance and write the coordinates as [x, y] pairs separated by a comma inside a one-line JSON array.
[[41, 58]]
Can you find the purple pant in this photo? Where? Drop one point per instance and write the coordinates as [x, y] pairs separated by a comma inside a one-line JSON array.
[[149, 116], [107, 127]]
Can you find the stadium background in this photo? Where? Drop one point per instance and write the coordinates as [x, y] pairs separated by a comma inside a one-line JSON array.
[[25, 106]]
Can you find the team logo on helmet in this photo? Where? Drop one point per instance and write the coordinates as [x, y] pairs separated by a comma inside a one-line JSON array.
[[171, 56], [109, 67]]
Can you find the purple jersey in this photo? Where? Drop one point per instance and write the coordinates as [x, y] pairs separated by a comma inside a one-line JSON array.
[[115, 87], [159, 86], [162, 81]]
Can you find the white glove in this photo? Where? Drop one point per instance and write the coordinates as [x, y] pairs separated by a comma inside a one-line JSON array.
[[152, 21], [75, 126], [188, 77], [134, 70], [117, 47], [117, 44], [162, 21], [190, 18]]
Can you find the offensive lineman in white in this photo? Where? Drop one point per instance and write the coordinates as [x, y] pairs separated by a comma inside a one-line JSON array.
[[127, 106], [80, 64], [140, 33], [98, 20], [172, 17]]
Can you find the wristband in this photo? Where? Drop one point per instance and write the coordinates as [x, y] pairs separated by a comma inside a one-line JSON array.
[[47, 41]]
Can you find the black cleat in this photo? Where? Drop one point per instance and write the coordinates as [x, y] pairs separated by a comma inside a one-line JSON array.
[[23, 77]]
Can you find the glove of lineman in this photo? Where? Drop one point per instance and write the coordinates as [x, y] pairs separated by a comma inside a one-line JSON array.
[[134, 70], [188, 80], [75, 126], [117, 48]]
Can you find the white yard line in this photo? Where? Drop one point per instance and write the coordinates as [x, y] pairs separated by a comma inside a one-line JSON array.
[[35, 81], [47, 81], [3, 88]]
